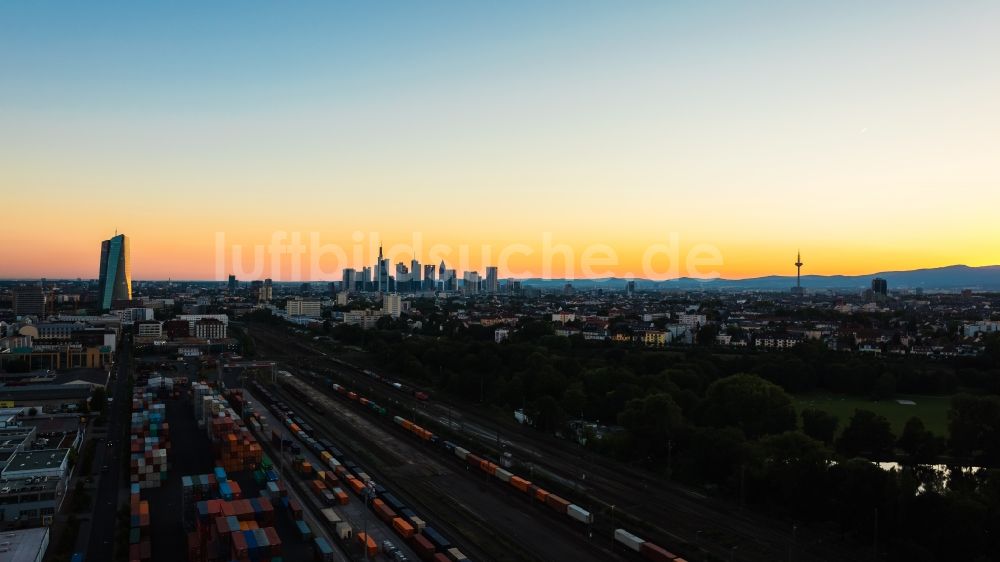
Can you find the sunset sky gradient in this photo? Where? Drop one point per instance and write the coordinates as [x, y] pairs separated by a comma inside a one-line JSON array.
[[865, 133]]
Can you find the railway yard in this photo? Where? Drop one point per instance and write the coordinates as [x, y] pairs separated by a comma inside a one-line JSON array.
[[489, 517]]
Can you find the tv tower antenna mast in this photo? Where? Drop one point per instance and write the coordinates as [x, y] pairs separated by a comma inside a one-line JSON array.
[[798, 270]]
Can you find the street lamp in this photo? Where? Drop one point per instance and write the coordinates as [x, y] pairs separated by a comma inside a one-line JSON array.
[[369, 491], [612, 527]]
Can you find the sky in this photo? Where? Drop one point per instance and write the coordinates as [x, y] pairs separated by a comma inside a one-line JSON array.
[[866, 134]]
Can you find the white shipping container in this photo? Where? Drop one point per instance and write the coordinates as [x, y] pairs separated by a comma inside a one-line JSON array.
[[503, 475], [628, 539], [344, 530], [580, 514], [461, 453]]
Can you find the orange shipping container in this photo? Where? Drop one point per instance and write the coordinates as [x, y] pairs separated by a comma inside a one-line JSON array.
[[402, 527], [369, 544], [356, 485], [520, 483]]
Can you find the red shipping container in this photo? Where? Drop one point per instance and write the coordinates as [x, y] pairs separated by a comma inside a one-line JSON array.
[[652, 552]]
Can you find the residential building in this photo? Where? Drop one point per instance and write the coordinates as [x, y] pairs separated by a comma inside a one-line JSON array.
[[392, 305]]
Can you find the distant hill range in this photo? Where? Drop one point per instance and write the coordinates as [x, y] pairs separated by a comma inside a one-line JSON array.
[[950, 277]]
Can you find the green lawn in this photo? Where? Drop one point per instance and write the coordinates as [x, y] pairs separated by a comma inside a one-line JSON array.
[[933, 410]]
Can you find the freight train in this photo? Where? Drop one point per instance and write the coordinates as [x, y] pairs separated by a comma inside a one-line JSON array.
[[647, 549], [428, 543], [396, 385]]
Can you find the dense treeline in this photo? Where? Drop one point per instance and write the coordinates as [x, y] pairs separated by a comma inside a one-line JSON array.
[[727, 422]]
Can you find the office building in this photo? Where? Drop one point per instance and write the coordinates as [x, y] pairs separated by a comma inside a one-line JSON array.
[[402, 277], [429, 277], [350, 280], [232, 284], [365, 282], [470, 282], [115, 282], [880, 286], [492, 282], [414, 275], [29, 300], [302, 307]]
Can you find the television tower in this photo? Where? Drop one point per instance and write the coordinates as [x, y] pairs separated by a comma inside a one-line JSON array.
[[798, 270]]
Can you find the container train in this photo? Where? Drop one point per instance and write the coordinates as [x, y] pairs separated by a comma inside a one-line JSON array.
[[328, 482], [647, 549]]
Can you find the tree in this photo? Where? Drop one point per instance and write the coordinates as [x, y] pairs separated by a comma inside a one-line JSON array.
[[574, 400], [819, 425], [750, 403], [707, 334], [867, 433], [885, 387], [547, 414], [651, 420], [790, 470], [974, 425], [919, 444]]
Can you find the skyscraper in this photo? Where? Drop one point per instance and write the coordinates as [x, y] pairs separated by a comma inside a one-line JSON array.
[[366, 279], [115, 282], [429, 276], [381, 273], [471, 281], [414, 275], [492, 283], [349, 282], [880, 286], [232, 284]]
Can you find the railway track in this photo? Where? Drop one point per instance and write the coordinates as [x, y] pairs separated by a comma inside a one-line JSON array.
[[707, 528], [435, 491]]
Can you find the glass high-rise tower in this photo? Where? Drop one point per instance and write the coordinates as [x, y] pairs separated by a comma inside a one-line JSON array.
[[116, 272]]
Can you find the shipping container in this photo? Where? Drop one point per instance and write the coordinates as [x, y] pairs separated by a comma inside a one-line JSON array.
[[368, 544], [304, 531], [436, 538], [630, 541], [403, 527], [656, 554], [520, 483], [456, 555], [557, 504], [323, 550], [344, 530], [423, 547], [580, 514], [330, 515]]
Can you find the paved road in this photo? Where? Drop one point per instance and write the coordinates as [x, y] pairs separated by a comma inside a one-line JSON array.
[[102, 528]]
